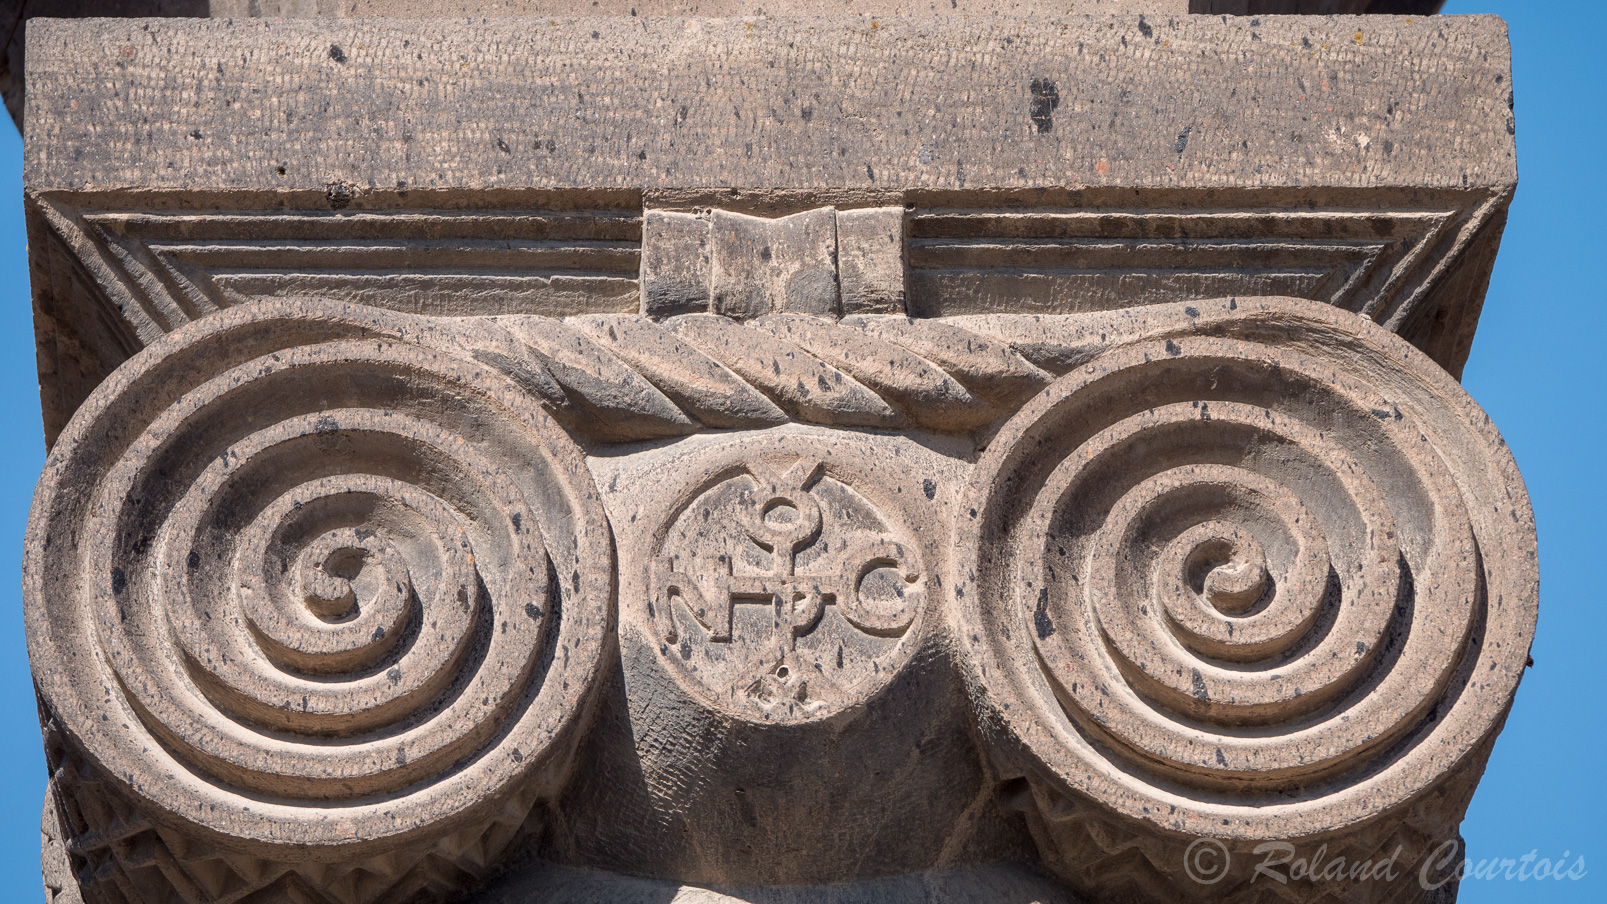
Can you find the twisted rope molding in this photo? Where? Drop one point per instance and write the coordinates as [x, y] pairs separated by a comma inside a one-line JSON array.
[[625, 377]]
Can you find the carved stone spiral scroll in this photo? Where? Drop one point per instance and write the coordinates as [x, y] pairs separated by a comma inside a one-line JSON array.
[[1271, 577], [304, 579]]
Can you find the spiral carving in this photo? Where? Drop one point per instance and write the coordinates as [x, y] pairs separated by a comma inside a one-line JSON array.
[[1270, 576], [306, 577]]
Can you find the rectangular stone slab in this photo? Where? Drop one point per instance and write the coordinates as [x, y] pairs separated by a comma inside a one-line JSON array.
[[861, 105], [1043, 164]]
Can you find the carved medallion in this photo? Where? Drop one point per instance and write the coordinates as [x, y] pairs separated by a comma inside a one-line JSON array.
[[779, 591]]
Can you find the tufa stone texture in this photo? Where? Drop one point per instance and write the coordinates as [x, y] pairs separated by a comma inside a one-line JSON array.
[[14, 14], [940, 458], [811, 104]]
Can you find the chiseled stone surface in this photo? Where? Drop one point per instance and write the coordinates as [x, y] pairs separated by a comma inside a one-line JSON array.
[[828, 104], [14, 14], [793, 461]]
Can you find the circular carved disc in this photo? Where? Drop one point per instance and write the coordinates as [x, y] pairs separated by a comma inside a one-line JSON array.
[[301, 575], [1269, 578], [782, 582]]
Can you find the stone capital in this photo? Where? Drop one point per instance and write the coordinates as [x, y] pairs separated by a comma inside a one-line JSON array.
[[911, 458]]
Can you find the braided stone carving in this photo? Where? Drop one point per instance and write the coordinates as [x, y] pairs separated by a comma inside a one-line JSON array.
[[314, 602], [1271, 578]]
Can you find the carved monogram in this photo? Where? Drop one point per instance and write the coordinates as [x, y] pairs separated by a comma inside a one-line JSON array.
[[776, 592]]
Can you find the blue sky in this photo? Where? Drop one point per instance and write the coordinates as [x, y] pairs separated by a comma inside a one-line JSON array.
[[1536, 367]]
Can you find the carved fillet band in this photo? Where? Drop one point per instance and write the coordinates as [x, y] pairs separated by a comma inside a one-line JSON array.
[[1274, 578], [321, 596], [317, 598]]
